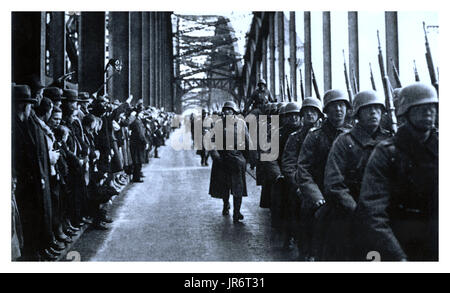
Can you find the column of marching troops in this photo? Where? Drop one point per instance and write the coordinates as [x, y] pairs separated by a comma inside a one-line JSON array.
[[343, 186], [72, 152]]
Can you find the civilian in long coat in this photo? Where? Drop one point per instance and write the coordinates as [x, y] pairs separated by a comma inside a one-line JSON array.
[[229, 167], [138, 145], [311, 166], [343, 174], [398, 203], [31, 169]]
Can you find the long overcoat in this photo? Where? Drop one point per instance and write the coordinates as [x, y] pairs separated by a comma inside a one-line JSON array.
[[309, 176], [31, 168], [343, 175], [398, 203], [228, 169], [138, 141]]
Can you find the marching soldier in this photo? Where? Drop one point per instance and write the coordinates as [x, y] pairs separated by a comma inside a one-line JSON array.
[[261, 166], [312, 160], [228, 169], [344, 170], [280, 207], [398, 204], [310, 112], [259, 99]]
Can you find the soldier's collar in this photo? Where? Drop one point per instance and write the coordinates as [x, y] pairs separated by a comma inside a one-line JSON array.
[[404, 139], [362, 137]]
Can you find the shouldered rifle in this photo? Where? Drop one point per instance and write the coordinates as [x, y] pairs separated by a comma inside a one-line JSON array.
[[347, 82], [288, 89], [301, 85], [397, 77], [416, 74], [389, 101], [282, 91], [316, 88], [433, 78], [372, 80], [355, 84]]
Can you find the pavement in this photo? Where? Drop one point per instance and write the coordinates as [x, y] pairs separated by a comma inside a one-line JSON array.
[[171, 217]]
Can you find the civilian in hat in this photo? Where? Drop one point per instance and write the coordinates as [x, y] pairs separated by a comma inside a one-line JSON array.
[[138, 143], [54, 94], [77, 167], [31, 171], [83, 101]]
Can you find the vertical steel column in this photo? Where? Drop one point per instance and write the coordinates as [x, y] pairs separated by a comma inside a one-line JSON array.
[[177, 70], [145, 58], [28, 46], [353, 50], [264, 60], [307, 52], [280, 24], [153, 58], [56, 44], [119, 49], [391, 45], [164, 54], [272, 52], [136, 54], [326, 51], [258, 69], [158, 60], [293, 55], [91, 59], [170, 63]]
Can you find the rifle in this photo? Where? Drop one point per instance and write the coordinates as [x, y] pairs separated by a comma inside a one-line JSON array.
[[288, 89], [316, 88], [372, 80], [347, 82], [355, 84], [389, 101], [416, 74], [396, 76], [301, 86], [433, 78], [282, 91]]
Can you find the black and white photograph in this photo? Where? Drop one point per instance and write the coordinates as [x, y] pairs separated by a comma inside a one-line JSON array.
[[227, 136]]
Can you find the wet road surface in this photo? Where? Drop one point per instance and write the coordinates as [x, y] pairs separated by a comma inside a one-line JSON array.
[[171, 217]]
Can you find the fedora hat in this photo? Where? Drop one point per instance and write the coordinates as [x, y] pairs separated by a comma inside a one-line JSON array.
[[70, 95], [53, 93], [83, 97], [22, 94]]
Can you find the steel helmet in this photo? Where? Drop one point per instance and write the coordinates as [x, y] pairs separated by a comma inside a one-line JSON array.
[[279, 106], [334, 96], [416, 94], [312, 103], [230, 105], [366, 98], [261, 80], [270, 107], [291, 107]]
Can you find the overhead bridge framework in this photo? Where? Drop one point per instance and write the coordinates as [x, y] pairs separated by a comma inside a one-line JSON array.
[[43, 46], [264, 59]]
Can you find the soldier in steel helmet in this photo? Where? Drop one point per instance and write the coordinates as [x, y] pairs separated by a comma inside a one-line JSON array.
[[261, 166], [311, 113], [398, 202], [311, 164], [229, 165], [281, 213], [344, 170], [259, 99]]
